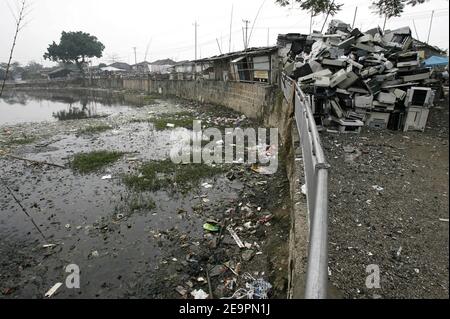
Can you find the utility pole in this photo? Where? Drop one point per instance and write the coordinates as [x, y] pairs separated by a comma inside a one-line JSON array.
[[231, 26], [415, 29], [246, 33], [268, 36], [429, 30], [135, 56], [354, 18], [196, 26]]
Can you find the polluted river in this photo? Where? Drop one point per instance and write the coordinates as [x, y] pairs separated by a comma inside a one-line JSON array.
[[87, 182]]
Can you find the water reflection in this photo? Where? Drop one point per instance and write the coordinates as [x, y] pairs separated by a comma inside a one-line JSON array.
[[75, 113], [36, 106]]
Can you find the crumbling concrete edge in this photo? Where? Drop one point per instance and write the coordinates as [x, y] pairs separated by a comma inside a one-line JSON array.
[[299, 233], [280, 113]]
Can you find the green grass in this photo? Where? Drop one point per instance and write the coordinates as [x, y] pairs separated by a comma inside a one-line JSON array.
[[94, 129], [149, 120], [75, 114], [21, 141], [89, 162], [161, 123], [156, 175], [150, 99], [139, 203]]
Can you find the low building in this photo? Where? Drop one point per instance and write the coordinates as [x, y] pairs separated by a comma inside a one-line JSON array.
[[156, 67], [254, 65], [426, 51], [121, 65], [59, 73]]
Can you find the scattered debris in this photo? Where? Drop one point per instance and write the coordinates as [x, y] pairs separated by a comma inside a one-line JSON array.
[[211, 228], [247, 255], [235, 237], [378, 188], [255, 289], [199, 294], [35, 162], [181, 290], [52, 290], [217, 270], [304, 189]]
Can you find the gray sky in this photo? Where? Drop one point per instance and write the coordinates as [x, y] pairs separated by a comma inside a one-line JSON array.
[[168, 25]]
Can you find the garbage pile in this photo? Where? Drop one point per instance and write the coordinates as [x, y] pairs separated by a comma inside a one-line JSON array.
[[354, 78]]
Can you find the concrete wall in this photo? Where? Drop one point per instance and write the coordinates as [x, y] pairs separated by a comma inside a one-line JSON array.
[[253, 100]]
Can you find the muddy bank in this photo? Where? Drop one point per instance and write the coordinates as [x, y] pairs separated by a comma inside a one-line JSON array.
[[389, 207], [127, 242]]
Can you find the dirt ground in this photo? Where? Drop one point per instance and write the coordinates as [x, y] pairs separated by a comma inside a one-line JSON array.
[[389, 207], [127, 248]]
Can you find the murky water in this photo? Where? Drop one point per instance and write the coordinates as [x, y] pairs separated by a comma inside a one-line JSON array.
[[122, 252], [21, 107]]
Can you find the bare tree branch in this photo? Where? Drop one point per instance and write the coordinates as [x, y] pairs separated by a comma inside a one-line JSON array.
[[21, 7]]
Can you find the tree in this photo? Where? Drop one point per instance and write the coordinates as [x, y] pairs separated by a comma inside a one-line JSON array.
[[75, 47], [315, 7], [19, 16], [393, 8], [32, 71]]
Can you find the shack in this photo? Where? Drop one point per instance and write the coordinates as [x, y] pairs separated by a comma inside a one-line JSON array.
[[254, 65]]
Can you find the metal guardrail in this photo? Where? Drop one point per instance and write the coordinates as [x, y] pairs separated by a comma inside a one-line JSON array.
[[316, 176]]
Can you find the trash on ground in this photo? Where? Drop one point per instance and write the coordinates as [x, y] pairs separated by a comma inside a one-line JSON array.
[[236, 237], [206, 185], [304, 189], [52, 290], [378, 188], [199, 294], [211, 228], [181, 290]]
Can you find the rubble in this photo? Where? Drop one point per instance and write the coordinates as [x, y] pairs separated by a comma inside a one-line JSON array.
[[354, 79]]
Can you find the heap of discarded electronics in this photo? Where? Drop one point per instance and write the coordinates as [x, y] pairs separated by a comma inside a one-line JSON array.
[[354, 78]]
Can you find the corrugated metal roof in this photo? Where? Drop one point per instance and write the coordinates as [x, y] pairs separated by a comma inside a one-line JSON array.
[[250, 51]]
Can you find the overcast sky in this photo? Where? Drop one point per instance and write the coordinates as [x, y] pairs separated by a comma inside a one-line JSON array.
[[166, 26]]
